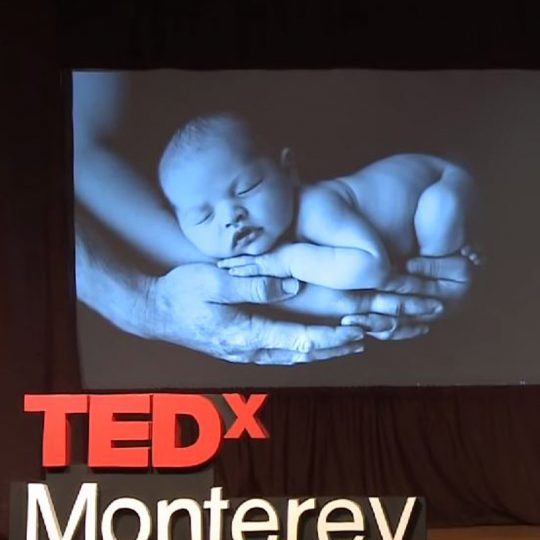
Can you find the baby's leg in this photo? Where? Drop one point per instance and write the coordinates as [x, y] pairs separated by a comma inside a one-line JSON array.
[[441, 215]]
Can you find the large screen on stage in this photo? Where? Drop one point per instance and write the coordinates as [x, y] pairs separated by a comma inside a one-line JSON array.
[[306, 228]]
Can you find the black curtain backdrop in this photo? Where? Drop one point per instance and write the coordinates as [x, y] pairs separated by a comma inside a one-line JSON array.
[[474, 452]]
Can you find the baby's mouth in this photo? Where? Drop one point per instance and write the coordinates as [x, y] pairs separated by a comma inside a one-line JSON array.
[[244, 236]]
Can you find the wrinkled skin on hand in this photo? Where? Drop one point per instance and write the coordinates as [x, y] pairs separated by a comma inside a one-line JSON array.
[[197, 306], [402, 310], [200, 306], [447, 279]]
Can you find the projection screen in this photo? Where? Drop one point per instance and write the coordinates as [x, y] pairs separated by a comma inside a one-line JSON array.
[[265, 229]]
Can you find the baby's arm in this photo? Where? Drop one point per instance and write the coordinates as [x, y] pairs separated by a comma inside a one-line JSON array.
[[343, 250]]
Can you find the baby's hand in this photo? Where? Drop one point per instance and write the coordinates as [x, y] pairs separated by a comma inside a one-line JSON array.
[[269, 264]]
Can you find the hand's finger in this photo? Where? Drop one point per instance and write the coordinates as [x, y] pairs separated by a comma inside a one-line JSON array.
[[408, 284], [333, 352], [397, 305], [249, 270], [231, 262], [267, 334], [455, 268], [371, 322], [447, 290], [254, 290], [287, 358], [401, 332]]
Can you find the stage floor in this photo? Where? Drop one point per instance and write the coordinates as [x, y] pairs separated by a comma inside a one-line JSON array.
[[485, 533]]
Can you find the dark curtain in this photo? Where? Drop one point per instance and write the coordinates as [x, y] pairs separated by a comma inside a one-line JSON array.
[[37, 299], [474, 452]]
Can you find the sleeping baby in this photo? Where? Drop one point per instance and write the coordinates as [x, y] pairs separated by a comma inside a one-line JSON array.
[[243, 206]]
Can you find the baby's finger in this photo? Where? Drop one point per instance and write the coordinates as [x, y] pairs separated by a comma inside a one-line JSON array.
[[249, 270], [231, 262]]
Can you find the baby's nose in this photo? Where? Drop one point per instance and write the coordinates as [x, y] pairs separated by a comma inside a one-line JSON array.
[[236, 216]]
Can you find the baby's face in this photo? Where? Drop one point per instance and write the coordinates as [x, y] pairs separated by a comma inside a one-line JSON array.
[[229, 203]]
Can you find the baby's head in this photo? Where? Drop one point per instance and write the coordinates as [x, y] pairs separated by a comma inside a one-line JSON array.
[[228, 193]]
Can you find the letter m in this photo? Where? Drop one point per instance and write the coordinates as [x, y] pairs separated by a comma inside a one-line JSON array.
[[39, 500]]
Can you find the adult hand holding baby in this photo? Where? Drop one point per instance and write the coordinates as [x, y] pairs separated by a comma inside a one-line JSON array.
[[196, 305], [447, 279], [199, 306]]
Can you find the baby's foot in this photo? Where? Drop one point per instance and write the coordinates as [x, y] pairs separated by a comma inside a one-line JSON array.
[[472, 254]]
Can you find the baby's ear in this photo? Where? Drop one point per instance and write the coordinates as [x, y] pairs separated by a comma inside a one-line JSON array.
[[286, 158], [288, 164]]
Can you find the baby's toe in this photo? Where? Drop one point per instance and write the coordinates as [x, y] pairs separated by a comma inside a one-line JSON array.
[[472, 254]]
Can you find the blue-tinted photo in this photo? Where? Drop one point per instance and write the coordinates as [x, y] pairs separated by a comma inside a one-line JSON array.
[[248, 209], [230, 231]]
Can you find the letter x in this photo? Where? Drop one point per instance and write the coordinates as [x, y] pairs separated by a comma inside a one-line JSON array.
[[245, 411]]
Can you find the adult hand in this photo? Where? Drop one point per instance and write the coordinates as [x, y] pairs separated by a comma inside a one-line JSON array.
[[442, 279], [445, 278], [392, 316], [378, 312], [197, 306]]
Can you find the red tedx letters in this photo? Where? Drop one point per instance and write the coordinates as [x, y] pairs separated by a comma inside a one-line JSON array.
[[153, 440]]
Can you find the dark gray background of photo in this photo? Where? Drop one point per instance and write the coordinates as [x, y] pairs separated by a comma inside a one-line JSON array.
[[337, 121]]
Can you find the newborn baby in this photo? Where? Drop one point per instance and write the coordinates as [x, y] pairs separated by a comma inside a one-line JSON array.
[[245, 207]]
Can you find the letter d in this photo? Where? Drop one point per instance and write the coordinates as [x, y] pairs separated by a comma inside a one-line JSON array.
[[166, 430]]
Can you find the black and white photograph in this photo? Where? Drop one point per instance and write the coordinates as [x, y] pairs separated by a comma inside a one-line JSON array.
[[258, 228]]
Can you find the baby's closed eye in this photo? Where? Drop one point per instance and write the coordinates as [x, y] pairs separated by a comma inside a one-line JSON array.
[[248, 186], [199, 216]]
